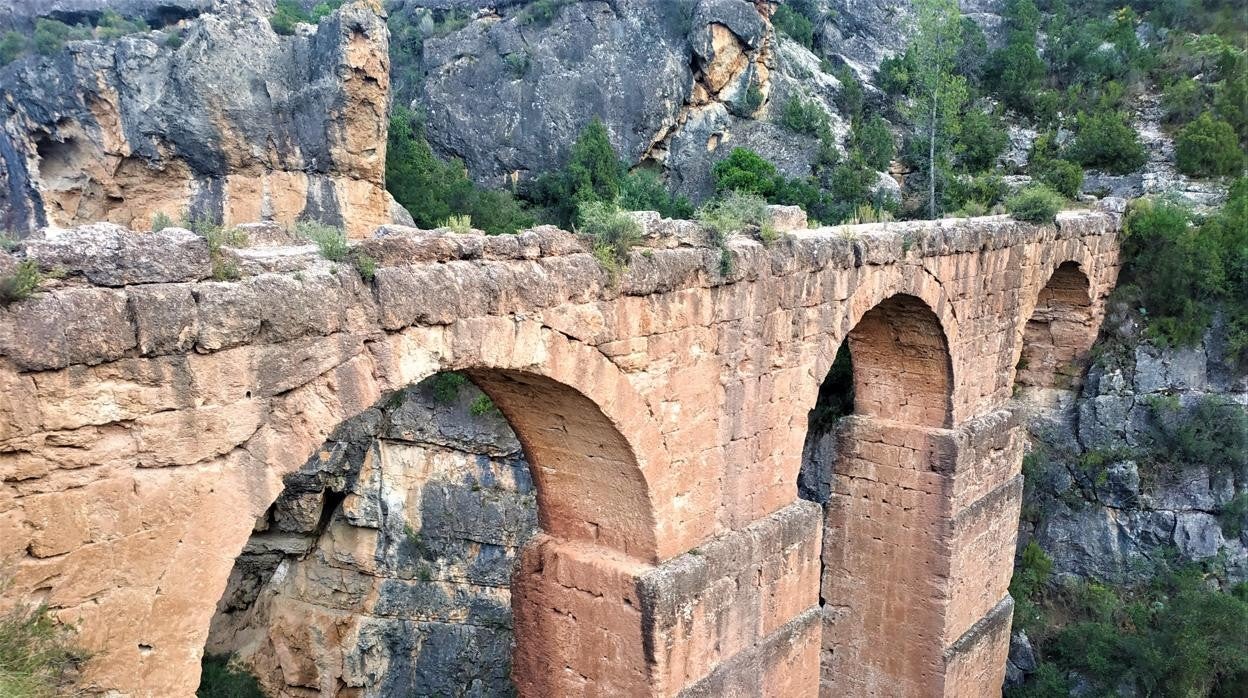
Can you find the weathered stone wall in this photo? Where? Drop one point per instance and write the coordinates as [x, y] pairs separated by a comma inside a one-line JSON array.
[[152, 419], [385, 565]]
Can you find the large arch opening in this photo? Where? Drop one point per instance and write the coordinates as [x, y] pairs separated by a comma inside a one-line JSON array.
[[1058, 334], [391, 562], [869, 451]]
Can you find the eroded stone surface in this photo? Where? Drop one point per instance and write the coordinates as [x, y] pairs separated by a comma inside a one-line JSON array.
[[234, 123]]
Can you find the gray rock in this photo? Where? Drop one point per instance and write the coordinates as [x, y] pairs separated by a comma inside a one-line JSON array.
[[1197, 535], [1122, 485], [1021, 661], [510, 96], [1181, 369], [156, 13], [120, 130], [109, 255]]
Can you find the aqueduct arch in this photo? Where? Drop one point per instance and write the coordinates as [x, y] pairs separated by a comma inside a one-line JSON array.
[[902, 368], [590, 497], [151, 416], [1057, 330]]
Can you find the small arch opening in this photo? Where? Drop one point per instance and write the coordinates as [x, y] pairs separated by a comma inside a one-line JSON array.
[[1058, 335], [902, 368]]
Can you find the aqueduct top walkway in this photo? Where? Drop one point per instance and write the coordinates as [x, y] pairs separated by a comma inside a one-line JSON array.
[[149, 414]]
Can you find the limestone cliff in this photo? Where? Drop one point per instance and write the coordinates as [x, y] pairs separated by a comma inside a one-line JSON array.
[[677, 84], [1144, 466], [216, 116], [384, 567]]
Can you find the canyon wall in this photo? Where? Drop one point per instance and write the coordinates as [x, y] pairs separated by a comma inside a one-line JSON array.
[[211, 117], [385, 565]]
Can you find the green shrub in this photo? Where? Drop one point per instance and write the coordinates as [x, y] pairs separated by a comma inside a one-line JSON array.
[[794, 25], [541, 12], [1177, 268], [50, 35], [433, 190], [1063, 176], [1016, 71], [458, 224], [20, 283], [365, 265], [518, 63], [324, 9], [218, 678], [982, 139], [1213, 433], [1035, 203], [35, 654], [753, 98], [972, 53], [987, 189], [746, 171], [643, 190], [1182, 100], [1208, 147], [1231, 97], [804, 116], [446, 386], [1048, 681], [896, 73], [594, 171], [160, 221], [482, 405], [732, 212], [286, 15], [1106, 141], [112, 25], [12, 45], [330, 240], [1175, 637], [218, 237], [612, 232], [874, 140], [852, 97]]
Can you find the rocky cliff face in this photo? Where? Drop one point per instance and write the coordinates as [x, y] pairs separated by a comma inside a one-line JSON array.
[[386, 563], [678, 83], [230, 122], [1146, 465], [1113, 488]]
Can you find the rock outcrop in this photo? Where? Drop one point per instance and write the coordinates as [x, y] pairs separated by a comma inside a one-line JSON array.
[[231, 122], [677, 84], [1112, 493], [385, 565]]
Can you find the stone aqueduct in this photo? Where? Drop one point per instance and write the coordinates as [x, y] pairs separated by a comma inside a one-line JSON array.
[[149, 415]]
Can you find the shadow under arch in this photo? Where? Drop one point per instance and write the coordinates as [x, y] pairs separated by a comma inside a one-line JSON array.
[[1058, 333], [589, 485], [902, 369]]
